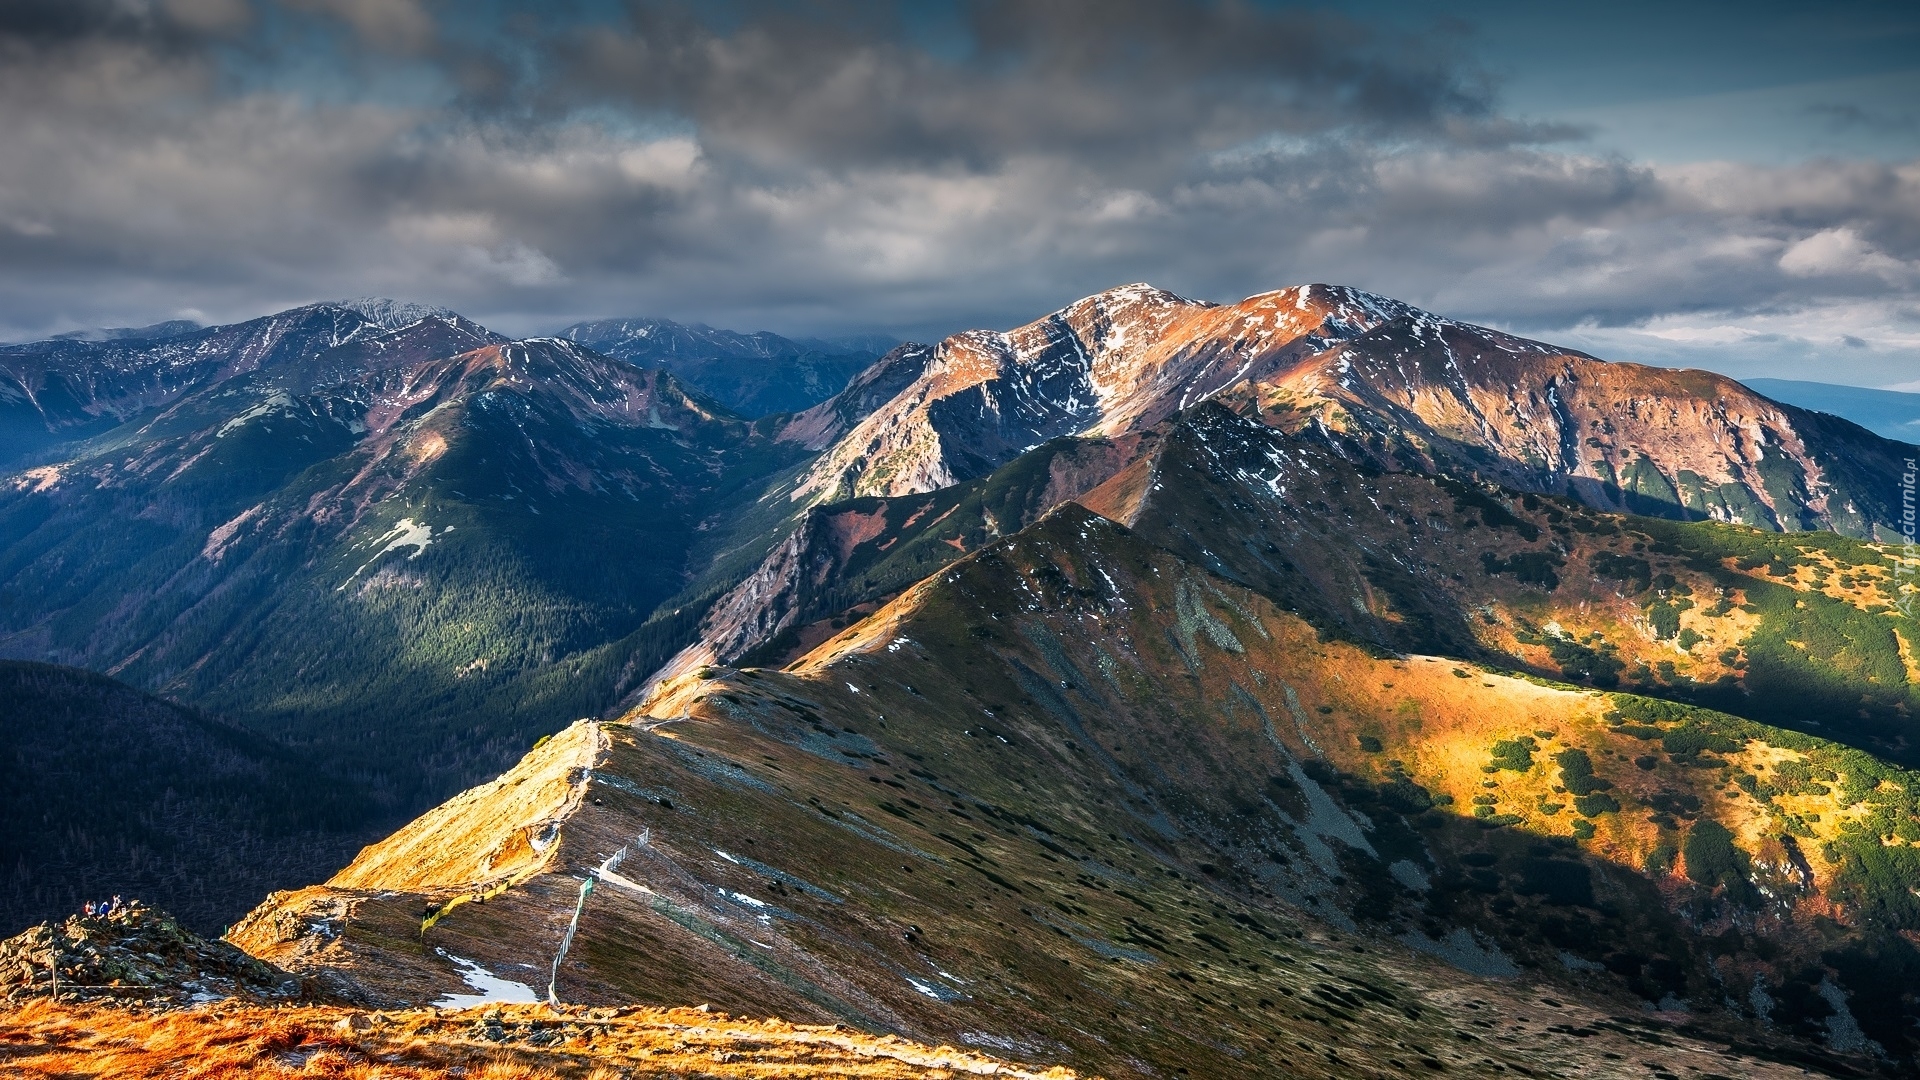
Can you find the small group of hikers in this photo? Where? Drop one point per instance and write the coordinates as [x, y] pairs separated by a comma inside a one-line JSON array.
[[104, 908]]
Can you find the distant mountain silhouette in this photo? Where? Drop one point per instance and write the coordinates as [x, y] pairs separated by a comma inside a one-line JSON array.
[[1889, 413], [752, 374]]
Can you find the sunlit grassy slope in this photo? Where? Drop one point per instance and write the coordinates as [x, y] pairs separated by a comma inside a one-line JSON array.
[[1084, 797], [42, 1040], [1799, 630]]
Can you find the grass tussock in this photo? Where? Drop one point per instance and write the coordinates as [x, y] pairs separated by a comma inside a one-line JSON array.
[[44, 1040]]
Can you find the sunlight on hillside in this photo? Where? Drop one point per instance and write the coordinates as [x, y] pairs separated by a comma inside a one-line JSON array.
[[43, 1041]]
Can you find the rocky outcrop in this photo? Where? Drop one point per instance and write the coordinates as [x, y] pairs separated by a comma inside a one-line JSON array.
[[136, 954]]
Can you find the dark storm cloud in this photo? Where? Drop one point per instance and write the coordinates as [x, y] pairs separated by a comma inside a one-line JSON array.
[[820, 167], [166, 25], [1126, 80], [41, 22]]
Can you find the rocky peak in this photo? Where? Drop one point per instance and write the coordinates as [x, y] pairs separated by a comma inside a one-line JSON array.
[[391, 314], [1436, 395], [1118, 361], [1410, 389]]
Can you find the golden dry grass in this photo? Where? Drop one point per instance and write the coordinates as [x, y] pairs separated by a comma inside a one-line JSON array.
[[501, 824], [48, 1041]]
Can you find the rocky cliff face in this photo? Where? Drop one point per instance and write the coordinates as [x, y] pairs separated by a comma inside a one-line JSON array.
[[1410, 389], [984, 398], [1426, 393]]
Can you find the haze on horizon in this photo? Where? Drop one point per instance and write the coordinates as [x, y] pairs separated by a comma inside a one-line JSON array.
[[1736, 188]]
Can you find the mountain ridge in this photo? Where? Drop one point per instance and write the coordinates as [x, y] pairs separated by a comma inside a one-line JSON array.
[[1388, 378], [169, 328], [59, 390], [449, 508], [956, 808], [1399, 561]]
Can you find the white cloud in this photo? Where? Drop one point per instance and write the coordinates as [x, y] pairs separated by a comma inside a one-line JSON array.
[[1834, 252], [460, 230], [1862, 342], [670, 163]]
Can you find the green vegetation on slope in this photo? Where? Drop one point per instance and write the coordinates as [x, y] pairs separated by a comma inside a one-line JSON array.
[[1813, 662], [414, 609]]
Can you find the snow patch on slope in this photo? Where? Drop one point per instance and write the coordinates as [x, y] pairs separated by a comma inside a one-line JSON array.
[[278, 402], [407, 533], [392, 314], [491, 988]]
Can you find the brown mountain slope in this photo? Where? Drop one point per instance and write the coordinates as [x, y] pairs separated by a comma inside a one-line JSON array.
[[1080, 800], [1119, 360], [856, 553], [1410, 389], [1424, 392], [1797, 630]]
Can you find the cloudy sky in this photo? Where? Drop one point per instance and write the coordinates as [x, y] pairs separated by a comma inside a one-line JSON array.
[[1733, 186]]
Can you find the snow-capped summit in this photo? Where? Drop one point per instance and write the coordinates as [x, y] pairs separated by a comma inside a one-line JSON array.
[[391, 314]]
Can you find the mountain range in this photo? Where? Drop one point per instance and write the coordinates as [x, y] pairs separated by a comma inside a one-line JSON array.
[[1160, 687], [1892, 413], [1406, 389], [755, 375], [67, 388], [1088, 798], [389, 545]]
